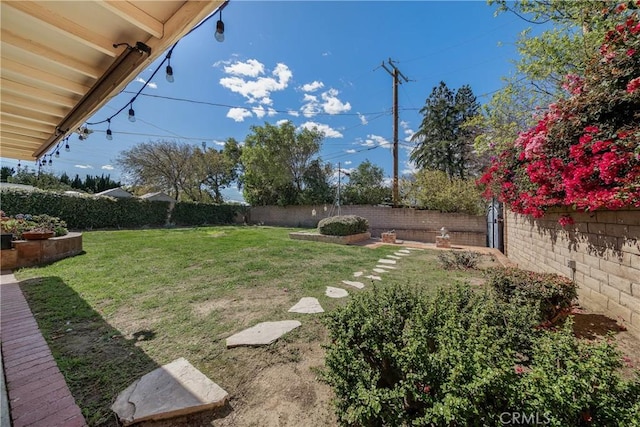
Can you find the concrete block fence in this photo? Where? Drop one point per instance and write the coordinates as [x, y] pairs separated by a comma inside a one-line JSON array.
[[601, 252], [408, 223]]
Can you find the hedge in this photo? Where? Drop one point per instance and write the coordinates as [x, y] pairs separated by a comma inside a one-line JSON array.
[[88, 212], [344, 225]]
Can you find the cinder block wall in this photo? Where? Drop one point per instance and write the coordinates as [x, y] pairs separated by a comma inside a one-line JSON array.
[[605, 246], [409, 224]]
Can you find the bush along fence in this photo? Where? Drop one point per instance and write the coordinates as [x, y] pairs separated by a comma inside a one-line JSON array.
[[85, 213]]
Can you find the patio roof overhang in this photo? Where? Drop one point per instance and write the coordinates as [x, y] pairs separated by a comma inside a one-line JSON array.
[[59, 64]]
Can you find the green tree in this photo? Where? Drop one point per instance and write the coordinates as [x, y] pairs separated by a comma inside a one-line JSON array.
[[366, 186], [575, 31], [443, 143], [275, 159], [6, 172], [317, 186], [220, 168]]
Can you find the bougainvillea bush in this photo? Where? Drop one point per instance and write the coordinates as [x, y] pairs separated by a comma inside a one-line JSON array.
[[584, 151]]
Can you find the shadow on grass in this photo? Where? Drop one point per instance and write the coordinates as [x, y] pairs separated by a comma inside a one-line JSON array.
[[97, 361]]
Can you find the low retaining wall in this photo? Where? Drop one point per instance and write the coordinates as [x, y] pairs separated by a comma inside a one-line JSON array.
[[27, 253], [408, 223], [601, 252]]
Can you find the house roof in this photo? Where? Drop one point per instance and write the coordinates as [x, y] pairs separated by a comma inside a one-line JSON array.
[[115, 192], [158, 196], [59, 64]]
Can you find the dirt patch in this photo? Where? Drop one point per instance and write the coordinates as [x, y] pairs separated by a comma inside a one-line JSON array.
[[243, 306]]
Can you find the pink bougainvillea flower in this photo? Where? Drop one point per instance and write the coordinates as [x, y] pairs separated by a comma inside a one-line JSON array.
[[565, 220], [633, 85], [592, 129]]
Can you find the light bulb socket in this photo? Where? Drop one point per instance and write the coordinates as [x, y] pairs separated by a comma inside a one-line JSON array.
[[170, 78], [67, 148], [57, 153], [109, 134], [132, 115]]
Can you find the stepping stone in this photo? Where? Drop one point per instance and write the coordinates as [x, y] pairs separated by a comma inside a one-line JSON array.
[[262, 334], [307, 305], [358, 274], [380, 270], [169, 391], [414, 249], [332, 292], [388, 267], [373, 277], [358, 285], [400, 254], [386, 261], [404, 251], [393, 257]]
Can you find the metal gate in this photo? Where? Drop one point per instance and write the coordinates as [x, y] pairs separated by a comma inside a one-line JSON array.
[[495, 226]]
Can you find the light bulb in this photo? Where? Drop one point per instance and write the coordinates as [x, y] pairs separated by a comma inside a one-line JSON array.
[[50, 161], [219, 35], [170, 78], [57, 153], [132, 115], [66, 148], [109, 134]]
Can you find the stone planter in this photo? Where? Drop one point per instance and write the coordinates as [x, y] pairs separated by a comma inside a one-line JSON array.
[[389, 237], [37, 235]]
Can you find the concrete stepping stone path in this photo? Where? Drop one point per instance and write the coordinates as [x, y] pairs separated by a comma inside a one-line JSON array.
[[393, 257], [358, 285], [332, 292], [380, 270], [388, 267], [358, 274], [307, 305], [262, 334], [386, 261], [169, 391], [372, 277], [404, 251], [400, 254]]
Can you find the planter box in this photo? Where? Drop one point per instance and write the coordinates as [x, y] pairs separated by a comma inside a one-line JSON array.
[[388, 237], [37, 235]]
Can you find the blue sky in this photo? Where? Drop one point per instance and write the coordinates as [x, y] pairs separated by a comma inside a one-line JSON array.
[[314, 63]]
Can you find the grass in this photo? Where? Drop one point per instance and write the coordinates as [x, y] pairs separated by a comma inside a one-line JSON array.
[[138, 299]]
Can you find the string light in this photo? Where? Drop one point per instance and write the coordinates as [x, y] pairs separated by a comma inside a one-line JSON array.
[[57, 153], [19, 164], [132, 114], [66, 146], [169, 69], [219, 35], [109, 133]]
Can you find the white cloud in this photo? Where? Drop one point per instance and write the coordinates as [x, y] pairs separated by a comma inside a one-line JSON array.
[[107, 167], [410, 168], [407, 130], [84, 166], [219, 143], [348, 162], [312, 87], [312, 106], [328, 131], [375, 140], [152, 85], [293, 113], [239, 114], [260, 89], [281, 122], [351, 151], [326, 53], [332, 105], [363, 119], [250, 68]]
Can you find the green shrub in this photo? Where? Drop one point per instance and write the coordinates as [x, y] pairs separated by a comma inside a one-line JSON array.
[[550, 292], [343, 225], [459, 358], [458, 260], [191, 213]]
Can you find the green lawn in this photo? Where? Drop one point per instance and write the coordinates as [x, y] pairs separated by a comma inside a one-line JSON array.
[[139, 299]]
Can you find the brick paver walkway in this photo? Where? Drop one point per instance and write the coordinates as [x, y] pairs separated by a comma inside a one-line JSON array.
[[38, 393]]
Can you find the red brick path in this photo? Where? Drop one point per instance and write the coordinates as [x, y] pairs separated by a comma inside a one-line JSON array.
[[38, 393]]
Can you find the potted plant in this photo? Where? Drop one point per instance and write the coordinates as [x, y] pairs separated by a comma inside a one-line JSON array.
[[7, 236], [36, 227]]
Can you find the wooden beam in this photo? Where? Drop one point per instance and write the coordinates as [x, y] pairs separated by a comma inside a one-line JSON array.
[[65, 26], [48, 54], [22, 123], [13, 153], [9, 86], [18, 145], [16, 71], [135, 16], [22, 131], [8, 136], [33, 105], [31, 116]]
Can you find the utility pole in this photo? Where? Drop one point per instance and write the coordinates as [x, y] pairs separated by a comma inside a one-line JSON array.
[[338, 201], [395, 73]]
